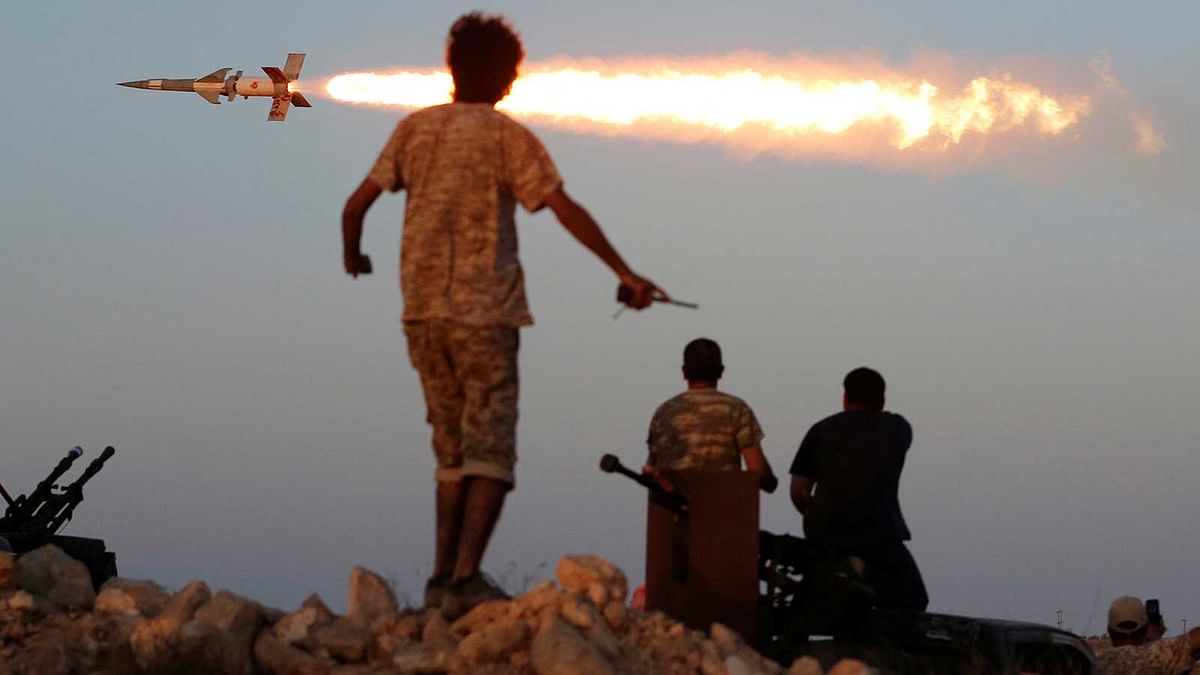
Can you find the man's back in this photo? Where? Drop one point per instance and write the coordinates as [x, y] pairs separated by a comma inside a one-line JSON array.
[[1161, 657], [855, 458], [702, 429], [465, 166]]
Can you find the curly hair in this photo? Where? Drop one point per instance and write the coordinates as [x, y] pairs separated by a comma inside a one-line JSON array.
[[483, 52]]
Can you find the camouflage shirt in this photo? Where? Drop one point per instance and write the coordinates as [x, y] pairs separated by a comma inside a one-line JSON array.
[[465, 166], [702, 429], [1161, 657]]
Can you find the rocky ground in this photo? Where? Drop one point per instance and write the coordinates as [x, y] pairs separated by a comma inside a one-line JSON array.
[[52, 622]]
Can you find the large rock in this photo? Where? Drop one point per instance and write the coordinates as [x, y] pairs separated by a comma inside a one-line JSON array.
[[559, 649], [204, 648], [156, 642], [131, 597], [343, 639], [805, 665], [239, 617], [57, 577], [493, 642], [424, 658], [592, 576], [482, 615], [849, 667], [276, 657], [371, 598], [298, 628]]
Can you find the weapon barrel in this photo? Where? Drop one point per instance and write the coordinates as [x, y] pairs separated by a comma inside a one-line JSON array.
[[672, 500], [92, 470], [43, 488]]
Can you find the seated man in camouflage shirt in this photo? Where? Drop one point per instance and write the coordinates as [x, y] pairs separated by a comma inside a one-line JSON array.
[[704, 428]]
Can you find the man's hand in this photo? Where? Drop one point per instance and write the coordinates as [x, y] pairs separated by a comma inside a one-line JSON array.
[[768, 483], [356, 264], [642, 292]]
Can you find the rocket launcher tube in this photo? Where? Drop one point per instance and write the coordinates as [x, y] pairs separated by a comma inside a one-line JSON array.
[[671, 499]]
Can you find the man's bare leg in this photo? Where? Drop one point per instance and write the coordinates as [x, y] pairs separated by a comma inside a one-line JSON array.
[[451, 497], [482, 505]]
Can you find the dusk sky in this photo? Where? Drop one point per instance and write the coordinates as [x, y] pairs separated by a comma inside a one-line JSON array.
[[172, 286]]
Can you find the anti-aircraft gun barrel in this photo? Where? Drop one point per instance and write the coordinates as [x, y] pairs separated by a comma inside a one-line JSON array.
[[22, 507], [674, 501], [74, 491]]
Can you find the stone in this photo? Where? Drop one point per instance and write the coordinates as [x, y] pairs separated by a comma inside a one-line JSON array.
[[605, 640], [298, 627], [155, 642], [805, 665], [481, 615], [384, 647], [22, 601], [343, 639], [371, 598], [580, 613], [435, 629], [276, 657], [559, 649], [579, 572], [132, 598], [408, 626], [849, 667], [736, 666], [423, 658], [238, 616], [204, 648], [63, 581], [614, 614], [493, 642], [8, 572], [323, 611]]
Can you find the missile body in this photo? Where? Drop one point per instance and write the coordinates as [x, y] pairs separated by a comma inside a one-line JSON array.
[[279, 85]]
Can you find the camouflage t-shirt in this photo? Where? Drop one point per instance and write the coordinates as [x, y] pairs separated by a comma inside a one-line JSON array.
[[465, 166], [702, 429], [1161, 657]]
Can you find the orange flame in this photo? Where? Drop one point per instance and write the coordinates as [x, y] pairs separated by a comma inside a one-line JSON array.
[[675, 101]]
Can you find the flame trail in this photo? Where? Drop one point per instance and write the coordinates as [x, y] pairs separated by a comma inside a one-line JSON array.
[[780, 105]]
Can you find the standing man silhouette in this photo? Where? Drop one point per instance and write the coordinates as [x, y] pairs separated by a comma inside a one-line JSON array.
[[465, 167]]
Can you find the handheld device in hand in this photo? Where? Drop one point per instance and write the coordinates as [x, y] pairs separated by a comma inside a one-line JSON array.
[[1152, 612], [625, 294]]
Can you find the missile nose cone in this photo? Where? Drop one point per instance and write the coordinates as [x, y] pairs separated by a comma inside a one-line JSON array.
[[136, 84]]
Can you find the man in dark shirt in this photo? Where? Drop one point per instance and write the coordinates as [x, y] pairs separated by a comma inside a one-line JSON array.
[[854, 460]]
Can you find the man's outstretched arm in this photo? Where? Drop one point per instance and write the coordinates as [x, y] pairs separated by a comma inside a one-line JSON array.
[[584, 228], [757, 462], [352, 226]]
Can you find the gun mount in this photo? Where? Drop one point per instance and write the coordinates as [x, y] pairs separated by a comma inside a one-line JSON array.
[[811, 601], [34, 520]]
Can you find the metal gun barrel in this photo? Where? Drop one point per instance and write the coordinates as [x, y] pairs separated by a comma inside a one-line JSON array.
[[673, 500], [92, 469], [63, 466]]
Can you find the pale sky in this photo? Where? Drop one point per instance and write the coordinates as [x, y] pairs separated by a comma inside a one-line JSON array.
[[172, 285]]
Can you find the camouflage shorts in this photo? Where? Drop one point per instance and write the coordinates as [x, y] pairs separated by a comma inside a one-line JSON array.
[[469, 375]]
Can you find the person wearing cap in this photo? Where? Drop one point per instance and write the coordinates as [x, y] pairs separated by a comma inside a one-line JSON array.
[[1134, 654], [845, 483], [705, 428]]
